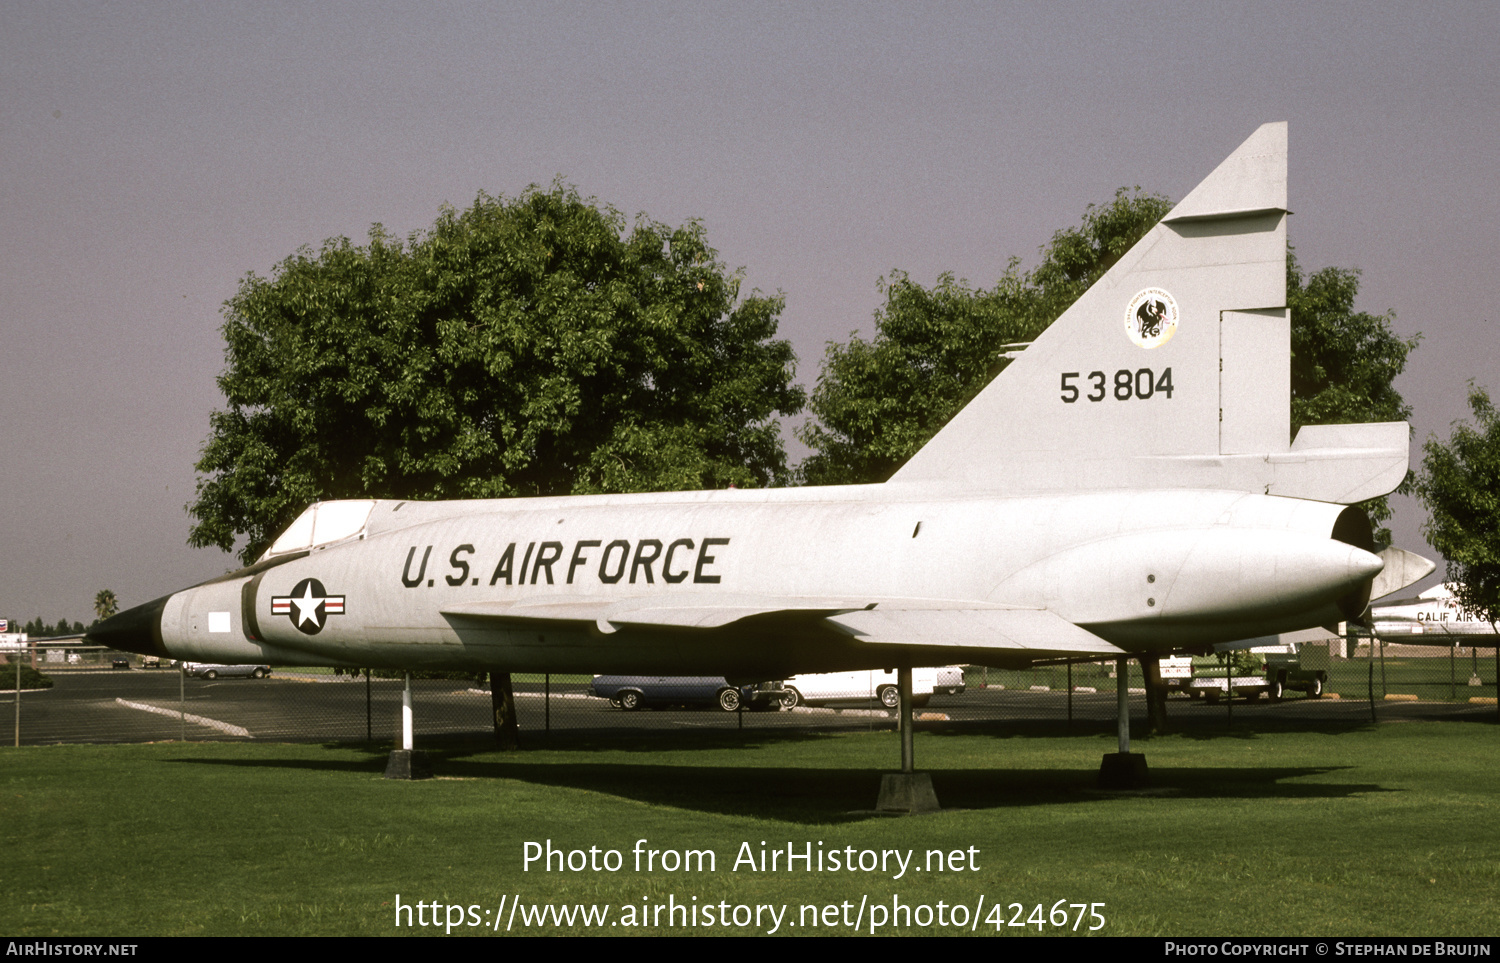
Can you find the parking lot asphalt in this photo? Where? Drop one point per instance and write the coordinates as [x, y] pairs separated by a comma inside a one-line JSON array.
[[145, 706]]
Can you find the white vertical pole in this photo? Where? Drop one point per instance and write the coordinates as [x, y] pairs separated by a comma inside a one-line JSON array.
[[406, 740]]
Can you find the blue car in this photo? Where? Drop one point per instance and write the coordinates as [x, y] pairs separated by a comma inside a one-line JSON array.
[[631, 692]]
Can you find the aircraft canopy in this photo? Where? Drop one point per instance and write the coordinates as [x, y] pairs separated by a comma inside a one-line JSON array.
[[323, 523]]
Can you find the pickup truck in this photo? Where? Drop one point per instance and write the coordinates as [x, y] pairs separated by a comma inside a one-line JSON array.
[[1283, 667]]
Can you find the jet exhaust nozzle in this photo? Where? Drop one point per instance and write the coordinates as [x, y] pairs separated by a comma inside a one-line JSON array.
[[1353, 528]]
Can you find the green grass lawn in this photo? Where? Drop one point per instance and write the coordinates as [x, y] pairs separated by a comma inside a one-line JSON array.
[[1383, 830]]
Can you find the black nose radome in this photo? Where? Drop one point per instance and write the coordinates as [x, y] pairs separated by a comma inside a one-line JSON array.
[[133, 630]]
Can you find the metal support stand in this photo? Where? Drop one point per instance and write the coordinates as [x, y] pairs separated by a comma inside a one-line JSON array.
[[908, 748], [1122, 704], [907, 791], [503, 711], [406, 735], [1123, 769], [407, 762], [1228, 661]]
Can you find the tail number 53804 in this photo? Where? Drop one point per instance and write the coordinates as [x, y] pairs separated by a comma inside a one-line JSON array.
[[1143, 383]]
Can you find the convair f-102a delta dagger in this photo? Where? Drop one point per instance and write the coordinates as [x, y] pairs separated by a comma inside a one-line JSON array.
[[1125, 486]]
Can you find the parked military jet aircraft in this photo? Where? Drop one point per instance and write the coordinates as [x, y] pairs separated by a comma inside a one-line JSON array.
[[1126, 485], [1434, 617]]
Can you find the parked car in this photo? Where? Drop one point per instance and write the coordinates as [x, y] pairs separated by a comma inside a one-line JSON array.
[[823, 688], [631, 692], [204, 670]]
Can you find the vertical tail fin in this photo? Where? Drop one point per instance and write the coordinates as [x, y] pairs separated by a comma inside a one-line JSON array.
[[1175, 359]]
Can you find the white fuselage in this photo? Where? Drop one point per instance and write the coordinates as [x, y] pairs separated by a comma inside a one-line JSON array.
[[1145, 570]]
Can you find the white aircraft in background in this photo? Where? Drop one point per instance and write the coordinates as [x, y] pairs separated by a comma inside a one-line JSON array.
[[1124, 486], [1434, 617]]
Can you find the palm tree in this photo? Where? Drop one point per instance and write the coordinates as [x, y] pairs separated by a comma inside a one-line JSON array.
[[105, 604]]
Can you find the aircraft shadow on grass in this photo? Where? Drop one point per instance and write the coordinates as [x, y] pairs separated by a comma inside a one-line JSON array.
[[803, 795]]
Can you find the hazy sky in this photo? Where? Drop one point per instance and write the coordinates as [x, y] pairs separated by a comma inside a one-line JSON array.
[[153, 154]]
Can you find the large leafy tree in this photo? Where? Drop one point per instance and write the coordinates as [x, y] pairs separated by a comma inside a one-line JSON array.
[[1460, 484], [1344, 362], [878, 401], [524, 346]]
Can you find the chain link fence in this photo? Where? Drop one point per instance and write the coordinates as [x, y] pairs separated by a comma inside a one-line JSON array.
[[92, 701]]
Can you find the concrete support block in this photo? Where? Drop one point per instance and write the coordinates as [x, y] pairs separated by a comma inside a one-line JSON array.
[[408, 764], [1123, 770], [907, 792]]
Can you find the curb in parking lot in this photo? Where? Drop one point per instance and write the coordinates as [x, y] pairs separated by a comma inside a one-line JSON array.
[[223, 727]]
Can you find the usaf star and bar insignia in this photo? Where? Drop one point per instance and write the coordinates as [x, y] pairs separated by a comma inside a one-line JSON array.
[[308, 606]]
